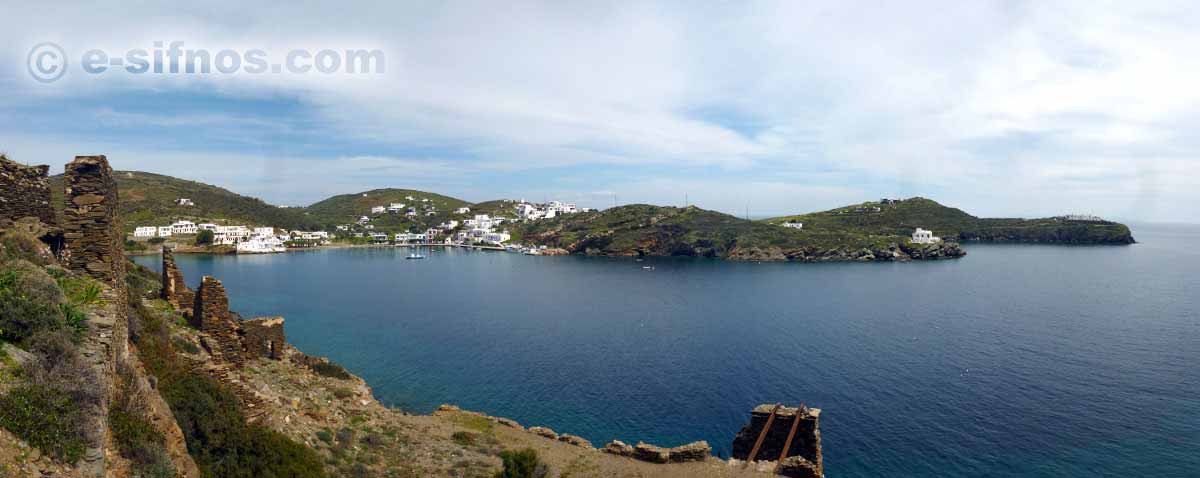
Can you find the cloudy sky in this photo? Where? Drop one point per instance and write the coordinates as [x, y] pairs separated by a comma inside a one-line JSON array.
[[1003, 108]]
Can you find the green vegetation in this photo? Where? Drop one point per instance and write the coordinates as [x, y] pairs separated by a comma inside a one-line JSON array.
[[149, 199], [45, 417], [901, 217], [522, 464], [137, 439], [347, 208], [205, 238], [329, 369], [218, 437]]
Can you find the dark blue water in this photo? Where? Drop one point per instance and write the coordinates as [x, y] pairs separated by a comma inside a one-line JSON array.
[[1015, 361]]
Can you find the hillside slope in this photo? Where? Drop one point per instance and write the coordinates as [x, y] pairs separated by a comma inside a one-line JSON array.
[[668, 231], [901, 217], [148, 199]]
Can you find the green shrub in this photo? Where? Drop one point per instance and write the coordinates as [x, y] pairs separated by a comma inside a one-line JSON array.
[[140, 442], [45, 417], [205, 238], [522, 464], [27, 303], [329, 369], [16, 245], [465, 438], [156, 240]]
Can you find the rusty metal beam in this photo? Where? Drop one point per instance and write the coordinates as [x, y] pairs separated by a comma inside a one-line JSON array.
[[787, 444], [763, 434]]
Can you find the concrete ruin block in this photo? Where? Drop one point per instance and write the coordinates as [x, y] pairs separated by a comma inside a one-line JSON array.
[[263, 338], [805, 444]]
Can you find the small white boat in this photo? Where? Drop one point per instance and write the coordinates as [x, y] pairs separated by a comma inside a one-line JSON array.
[[415, 256], [648, 268]]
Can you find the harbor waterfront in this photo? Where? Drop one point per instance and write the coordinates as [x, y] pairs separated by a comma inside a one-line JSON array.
[[1017, 360]]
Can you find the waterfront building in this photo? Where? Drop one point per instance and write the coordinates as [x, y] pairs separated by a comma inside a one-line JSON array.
[[145, 232], [924, 236]]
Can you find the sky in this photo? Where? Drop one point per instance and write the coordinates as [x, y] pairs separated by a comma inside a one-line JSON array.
[[1007, 108]]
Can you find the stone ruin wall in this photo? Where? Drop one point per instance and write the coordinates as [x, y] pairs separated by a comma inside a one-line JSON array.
[[804, 454], [25, 192], [174, 290], [263, 338], [93, 245], [94, 241], [211, 315]]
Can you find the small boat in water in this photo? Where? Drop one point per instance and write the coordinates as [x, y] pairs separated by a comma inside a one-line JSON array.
[[414, 256]]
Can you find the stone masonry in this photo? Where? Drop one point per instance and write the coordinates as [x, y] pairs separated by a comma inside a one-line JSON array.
[[93, 245], [263, 338], [25, 192], [804, 456], [94, 242], [174, 290], [211, 315]]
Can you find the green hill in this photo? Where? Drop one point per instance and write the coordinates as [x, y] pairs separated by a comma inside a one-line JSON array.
[[347, 208], [148, 199], [901, 217], [669, 231]]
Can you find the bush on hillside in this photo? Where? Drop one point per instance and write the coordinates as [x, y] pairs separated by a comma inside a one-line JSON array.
[[29, 301], [522, 464], [45, 417], [16, 245], [329, 369], [136, 437]]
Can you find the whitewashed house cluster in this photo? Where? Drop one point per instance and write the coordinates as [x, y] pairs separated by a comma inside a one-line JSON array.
[[532, 212]]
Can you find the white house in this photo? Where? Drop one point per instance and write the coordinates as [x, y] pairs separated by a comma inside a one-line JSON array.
[[396, 207], [145, 232], [184, 202], [462, 210], [496, 237], [183, 227], [794, 225], [363, 220], [923, 236], [411, 213], [448, 225], [264, 231], [261, 245], [206, 226], [164, 231], [378, 210]]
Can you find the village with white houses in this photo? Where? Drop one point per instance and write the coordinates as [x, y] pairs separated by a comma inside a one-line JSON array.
[[464, 228]]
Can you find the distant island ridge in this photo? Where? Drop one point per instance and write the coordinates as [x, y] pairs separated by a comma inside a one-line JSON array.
[[880, 230]]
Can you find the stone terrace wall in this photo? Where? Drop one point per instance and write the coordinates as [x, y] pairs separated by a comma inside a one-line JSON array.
[[94, 242], [174, 290], [211, 315], [263, 337], [25, 192], [806, 444]]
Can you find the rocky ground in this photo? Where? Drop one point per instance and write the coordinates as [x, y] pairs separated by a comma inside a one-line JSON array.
[[358, 436]]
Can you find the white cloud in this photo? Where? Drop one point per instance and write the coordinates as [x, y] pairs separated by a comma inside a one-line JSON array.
[[1013, 108]]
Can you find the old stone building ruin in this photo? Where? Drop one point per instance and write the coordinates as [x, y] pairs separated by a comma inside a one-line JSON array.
[[803, 457]]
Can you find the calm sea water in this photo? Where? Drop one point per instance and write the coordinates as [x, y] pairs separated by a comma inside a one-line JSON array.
[[1029, 361]]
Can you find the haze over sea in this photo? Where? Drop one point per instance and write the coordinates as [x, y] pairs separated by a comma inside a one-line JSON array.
[[1017, 360]]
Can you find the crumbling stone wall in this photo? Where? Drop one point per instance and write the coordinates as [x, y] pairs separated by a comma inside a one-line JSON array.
[[174, 290], [25, 192], [94, 242], [211, 315], [806, 444], [263, 338]]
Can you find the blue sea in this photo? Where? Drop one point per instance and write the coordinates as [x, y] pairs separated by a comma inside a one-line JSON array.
[[1015, 361]]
